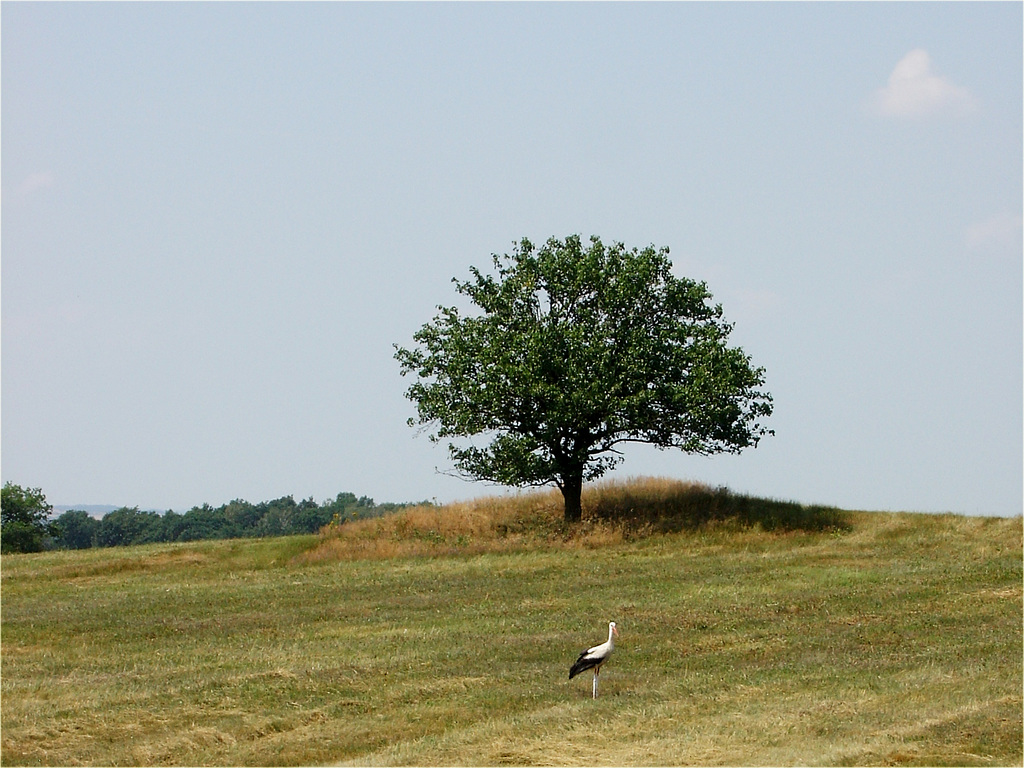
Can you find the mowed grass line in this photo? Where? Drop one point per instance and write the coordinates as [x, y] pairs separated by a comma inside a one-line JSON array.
[[896, 641]]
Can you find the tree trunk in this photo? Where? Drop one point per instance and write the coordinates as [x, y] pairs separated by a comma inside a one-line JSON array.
[[572, 490]]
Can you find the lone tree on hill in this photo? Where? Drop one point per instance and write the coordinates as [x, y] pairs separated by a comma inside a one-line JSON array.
[[575, 350]]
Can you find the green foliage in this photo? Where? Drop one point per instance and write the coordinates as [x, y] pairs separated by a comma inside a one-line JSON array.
[[24, 516], [78, 530], [129, 526], [574, 351]]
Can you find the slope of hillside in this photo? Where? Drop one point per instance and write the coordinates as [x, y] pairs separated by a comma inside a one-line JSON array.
[[875, 638]]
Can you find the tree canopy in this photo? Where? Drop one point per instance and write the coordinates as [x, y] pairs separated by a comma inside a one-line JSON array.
[[572, 350], [128, 526], [26, 526], [24, 514]]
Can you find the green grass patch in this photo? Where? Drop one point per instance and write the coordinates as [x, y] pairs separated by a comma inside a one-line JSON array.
[[876, 639]]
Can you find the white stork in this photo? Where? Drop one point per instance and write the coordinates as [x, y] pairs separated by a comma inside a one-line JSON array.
[[596, 656]]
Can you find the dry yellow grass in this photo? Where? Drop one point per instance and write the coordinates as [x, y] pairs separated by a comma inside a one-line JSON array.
[[892, 639], [613, 511], [489, 524]]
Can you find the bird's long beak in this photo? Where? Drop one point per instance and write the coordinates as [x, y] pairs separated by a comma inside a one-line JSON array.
[[615, 631]]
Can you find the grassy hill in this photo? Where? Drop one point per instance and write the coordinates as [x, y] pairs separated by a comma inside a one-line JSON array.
[[752, 632]]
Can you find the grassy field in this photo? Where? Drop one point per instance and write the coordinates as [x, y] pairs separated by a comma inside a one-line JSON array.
[[445, 637]]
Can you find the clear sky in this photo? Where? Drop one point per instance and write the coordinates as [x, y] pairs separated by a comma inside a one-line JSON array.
[[217, 219]]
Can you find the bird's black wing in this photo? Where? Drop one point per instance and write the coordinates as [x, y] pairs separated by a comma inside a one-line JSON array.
[[583, 663]]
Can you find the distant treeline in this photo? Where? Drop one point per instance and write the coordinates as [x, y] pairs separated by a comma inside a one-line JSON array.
[[76, 529]]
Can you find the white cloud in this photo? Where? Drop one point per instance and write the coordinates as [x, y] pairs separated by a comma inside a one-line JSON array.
[[1001, 230], [914, 90], [34, 182]]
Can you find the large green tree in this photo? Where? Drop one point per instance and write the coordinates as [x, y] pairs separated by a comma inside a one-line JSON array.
[[24, 519], [572, 350], [78, 530]]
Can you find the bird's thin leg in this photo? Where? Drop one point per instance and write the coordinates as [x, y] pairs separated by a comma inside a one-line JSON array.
[[597, 670]]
